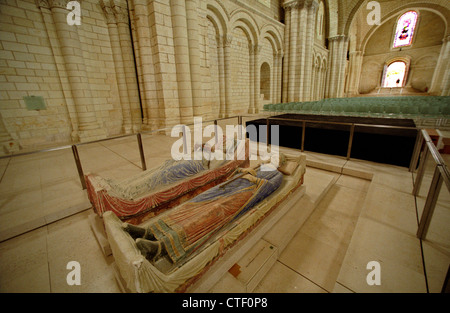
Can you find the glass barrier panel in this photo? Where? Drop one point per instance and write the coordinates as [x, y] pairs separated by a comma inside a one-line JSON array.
[[436, 245], [428, 172], [37, 189]]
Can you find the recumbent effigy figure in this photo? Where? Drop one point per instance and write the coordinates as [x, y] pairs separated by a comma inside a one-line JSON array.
[[187, 227]]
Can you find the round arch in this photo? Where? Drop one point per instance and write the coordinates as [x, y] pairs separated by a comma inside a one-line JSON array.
[[219, 17], [270, 32], [246, 22]]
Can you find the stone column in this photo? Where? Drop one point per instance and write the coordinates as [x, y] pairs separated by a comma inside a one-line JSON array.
[[182, 60], [293, 50], [440, 84], [354, 73], [336, 71], [132, 108], [279, 73], [314, 77], [145, 59], [119, 65], [257, 78], [300, 69], [69, 41], [221, 61], [252, 91], [287, 43], [228, 39], [311, 9], [194, 59], [301, 25], [273, 78], [60, 66]]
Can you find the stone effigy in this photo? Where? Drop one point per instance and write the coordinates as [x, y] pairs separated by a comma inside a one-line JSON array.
[[171, 251], [145, 195]]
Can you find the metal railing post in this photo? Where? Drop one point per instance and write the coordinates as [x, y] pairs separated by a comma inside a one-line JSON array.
[[141, 151], [185, 151], [215, 132], [240, 126], [79, 167], [350, 141], [303, 136]]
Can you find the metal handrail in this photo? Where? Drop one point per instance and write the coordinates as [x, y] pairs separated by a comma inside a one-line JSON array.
[[240, 120]]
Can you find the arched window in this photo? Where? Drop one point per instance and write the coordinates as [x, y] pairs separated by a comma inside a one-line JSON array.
[[394, 74], [265, 80], [404, 32]]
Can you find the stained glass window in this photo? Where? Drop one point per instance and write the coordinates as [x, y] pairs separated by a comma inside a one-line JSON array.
[[405, 29], [395, 74]]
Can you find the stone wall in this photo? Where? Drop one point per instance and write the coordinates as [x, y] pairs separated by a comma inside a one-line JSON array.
[[71, 67]]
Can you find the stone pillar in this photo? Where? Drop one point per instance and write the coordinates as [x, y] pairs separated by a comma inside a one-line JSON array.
[[222, 91], [300, 69], [252, 91], [146, 64], [287, 43], [314, 84], [182, 60], [293, 50], [273, 78], [69, 41], [338, 46], [132, 108], [308, 65], [194, 59], [354, 73], [300, 25], [257, 78], [279, 78], [60, 66], [440, 84], [228, 39], [119, 65]]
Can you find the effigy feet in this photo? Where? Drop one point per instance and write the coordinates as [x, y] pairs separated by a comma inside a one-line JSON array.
[[137, 232], [149, 248]]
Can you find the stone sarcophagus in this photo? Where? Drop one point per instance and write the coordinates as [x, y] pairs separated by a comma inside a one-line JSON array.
[[171, 252], [153, 191]]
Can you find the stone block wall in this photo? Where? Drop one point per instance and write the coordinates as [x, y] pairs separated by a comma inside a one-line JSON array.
[[71, 67]]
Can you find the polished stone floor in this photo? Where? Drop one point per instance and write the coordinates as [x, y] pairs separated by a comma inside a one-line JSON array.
[[366, 213]]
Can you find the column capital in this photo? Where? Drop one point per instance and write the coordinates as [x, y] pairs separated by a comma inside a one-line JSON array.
[[50, 4], [108, 12], [120, 13], [256, 49], [338, 38], [227, 40], [356, 53], [300, 4]]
